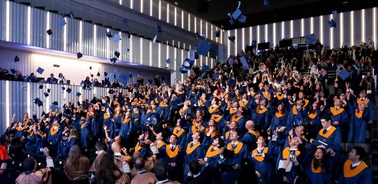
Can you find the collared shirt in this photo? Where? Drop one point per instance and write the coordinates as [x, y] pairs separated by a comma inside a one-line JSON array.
[[196, 175], [356, 164], [163, 181], [99, 152]]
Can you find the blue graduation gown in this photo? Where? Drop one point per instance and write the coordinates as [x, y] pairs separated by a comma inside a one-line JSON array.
[[126, 130], [181, 136], [239, 152], [295, 116], [340, 115], [261, 118], [240, 120], [278, 121], [53, 137], [332, 138], [359, 175], [320, 175], [358, 125], [30, 141], [263, 165], [85, 134], [249, 139]]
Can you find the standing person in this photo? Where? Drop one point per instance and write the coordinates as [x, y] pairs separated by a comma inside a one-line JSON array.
[[194, 151], [142, 176], [77, 166], [260, 158], [109, 173]]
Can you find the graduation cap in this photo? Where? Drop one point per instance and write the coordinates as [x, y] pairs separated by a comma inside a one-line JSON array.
[[310, 39], [217, 33], [40, 70], [183, 70], [334, 14], [111, 91], [48, 90], [117, 54], [332, 23], [168, 61], [79, 55], [98, 74], [38, 102], [242, 18], [90, 67], [63, 88], [105, 74], [53, 107], [235, 15], [46, 94], [91, 75], [203, 48], [158, 28], [16, 59], [113, 60], [197, 35], [116, 37], [123, 78], [109, 34], [40, 86], [71, 15], [49, 32], [78, 94], [254, 44], [63, 22], [68, 90], [13, 71], [232, 38], [125, 21], [205, 68]]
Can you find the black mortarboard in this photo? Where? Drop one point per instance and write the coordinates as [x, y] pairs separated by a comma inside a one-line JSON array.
[[117, 54], [69, 90], [158, 28], [78, 94], [217, 33], [111, 91], [40, 86], [63, 88], [98, 74], [40, 70], [232, 38], [332, 23], [16, 59], [90, 67], [109, 34], [55, 103], [38, 102], [46, 94], [49, 32], [91, 75], [105, 74], [79, 55], [113, 60], [48, 90]]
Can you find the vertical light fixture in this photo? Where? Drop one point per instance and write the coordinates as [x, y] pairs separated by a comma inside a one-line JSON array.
[[243, 38], [188, 21], [182, 19], [141, 51], [250, 35], [141, 6], [65, 36], [47, 102], [159, 9], [363, 26], [266, 33], [7, 102], [108, 52], [341, 29], [131, 4], [321, 29], [302, 27], [120, 2], [7, 23], [236, 37], [159, 55], [94, 40], [374, 25], [291, 29], [151, 7], [258, 34], [81, 36], [28, 30], [150, 54], [331, 35], [131, 48], [195, 24], [47, 27], [311, 25], [28, 99], [282, 30], [175, 16], [274, 35], [352, 28], [228, 44], [168, 12]]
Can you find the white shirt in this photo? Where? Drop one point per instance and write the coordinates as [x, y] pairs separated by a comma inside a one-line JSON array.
[[356, 164], [195, 176], [163, 181]]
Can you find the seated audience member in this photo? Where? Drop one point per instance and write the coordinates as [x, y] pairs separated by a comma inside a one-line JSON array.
[[18, 76], [61, 79], [77, 166], [4, 157], [51, 79], [142, 176], [42, 176], [32, 78], [161, 174], [195, 175], [109, 173], [96, 83]]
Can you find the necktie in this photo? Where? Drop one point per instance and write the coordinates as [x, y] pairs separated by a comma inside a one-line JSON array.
[[325, 131], [233, 146]]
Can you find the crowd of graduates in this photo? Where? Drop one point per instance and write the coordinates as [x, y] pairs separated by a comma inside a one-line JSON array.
[[282, 120]]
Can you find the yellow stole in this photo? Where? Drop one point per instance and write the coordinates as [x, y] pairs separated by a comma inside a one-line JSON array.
[[115, 103], [133, 103], [235, 118], [237, 149], [286, 153], [170, 153], [126, 120], [213, 108], [117, 115], [52, 131], [201, 102], [312, 115], [26, 121], [349, 173], [280, 96], [295, 110], [211, 152], [329, 132], [183, 109], [227, 134], [265, 94], [261, 111], [138, 147], [358, 113], [213, 134], [189, 149], [135, 111], [194, 129], [177, 132], [106, 116], [83, 125], [253, 132], [305, 103], [279, 115], [259, 158], [318, 170], [18, 128], [241, 103], [232, 110], [160, 144], [216, 119], [336, 112], [162, 104], [360, 101]]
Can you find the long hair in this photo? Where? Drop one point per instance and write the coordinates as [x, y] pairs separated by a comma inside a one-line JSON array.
[[74, 155], [319, 163], [104, 172], [73, 134]]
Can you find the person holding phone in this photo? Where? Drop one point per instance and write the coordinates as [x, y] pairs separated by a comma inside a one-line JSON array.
[[291, 152]]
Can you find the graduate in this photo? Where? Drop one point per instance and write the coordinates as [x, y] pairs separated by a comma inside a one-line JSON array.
[[361, 118], [339, 117], [174, 158], [318, 167], [219, 120], [236, 151], [117, 120], [314, 118], [196, 127], [261, 159], [85, 131], [329, 136], [194, 151], [214, 157], [53, 137], [249, 139], [126, 130], [261, 115], [214, 105], [233, 126], [180, 133], [278, 119], [296, 114], [164, 110], [30, 140], [240, 119], [354, 169]]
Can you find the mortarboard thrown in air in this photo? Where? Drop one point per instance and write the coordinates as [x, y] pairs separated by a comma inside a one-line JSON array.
[[113, 60], [168, 61], [69, 90], [90, 67], [105, 74], [217, 33], [244, 62], [242, 18], [71, 15], [203, 48], [54, 106], [49, 32], [109, 34], [38, 102], [40, 86], [63, 22], [79, 55], [111, 91], [197, 35], [78, 94], [183, 70], [158, 28], [235, 15], [116, 37], [123, 78], [46, 94], [40, 70], [63, 88], [16, 59], [117, 54], [332, 23], [310, 39], [254, 44], [98, 74], [232, 38], [48, 90]]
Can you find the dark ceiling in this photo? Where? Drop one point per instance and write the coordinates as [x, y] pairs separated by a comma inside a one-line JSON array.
[[215, 11]]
